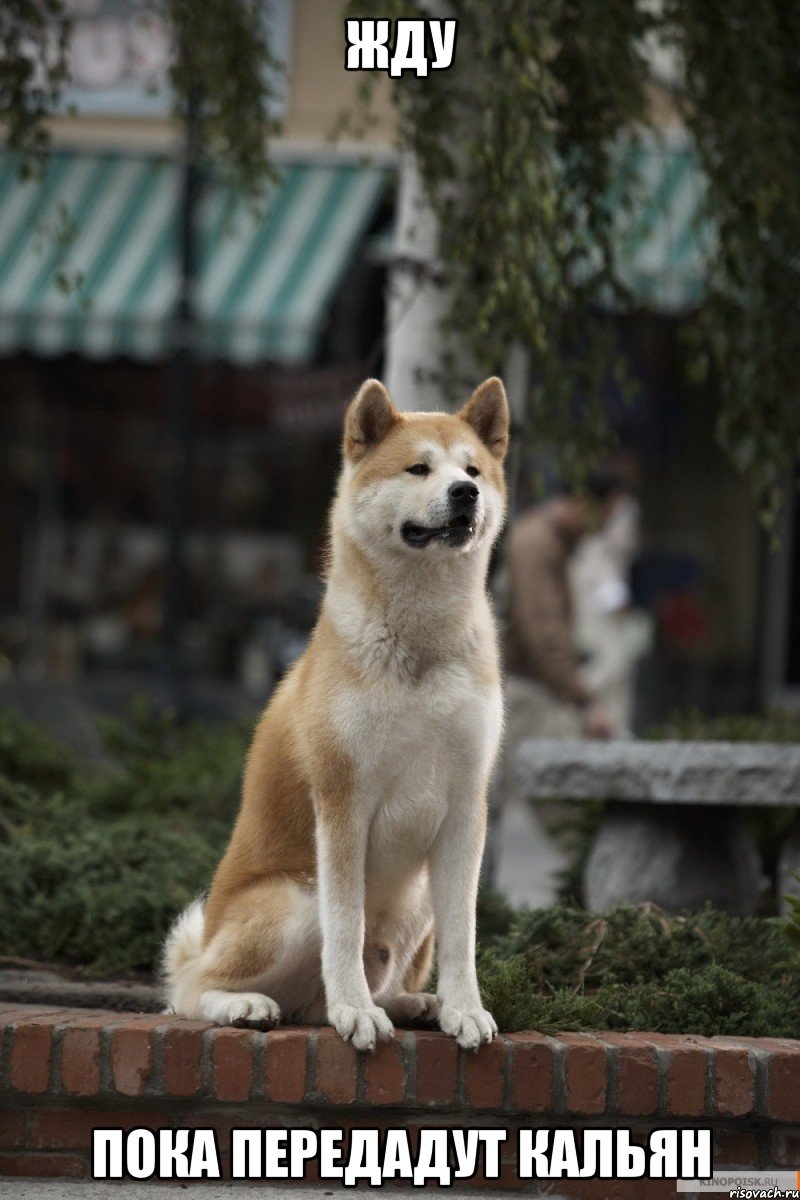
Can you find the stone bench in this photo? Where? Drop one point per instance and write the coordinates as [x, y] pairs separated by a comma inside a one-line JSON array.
[[672, 832]]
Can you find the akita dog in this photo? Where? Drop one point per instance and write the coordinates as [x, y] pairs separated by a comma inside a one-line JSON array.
[[363, 814]]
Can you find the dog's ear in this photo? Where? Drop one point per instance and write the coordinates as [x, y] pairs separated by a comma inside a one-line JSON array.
[[369, 418], [487, 412]]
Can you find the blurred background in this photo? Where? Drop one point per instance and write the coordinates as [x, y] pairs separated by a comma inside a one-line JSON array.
[[174, 364], [211, 231]]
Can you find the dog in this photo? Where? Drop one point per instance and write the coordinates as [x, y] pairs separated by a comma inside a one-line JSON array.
[[363, 812]]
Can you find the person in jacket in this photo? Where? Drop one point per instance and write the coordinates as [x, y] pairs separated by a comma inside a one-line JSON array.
[[546, 692], [546, 695]]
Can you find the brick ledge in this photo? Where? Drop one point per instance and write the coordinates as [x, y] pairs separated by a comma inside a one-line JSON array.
[[63, 1070]]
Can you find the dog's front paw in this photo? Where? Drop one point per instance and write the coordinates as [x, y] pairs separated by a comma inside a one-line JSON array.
[[469, 1026], [250, 1009], [413, 1006], [361, 1026]]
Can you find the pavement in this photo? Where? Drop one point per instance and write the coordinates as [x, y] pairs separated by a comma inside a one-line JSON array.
[[79, 1189], [527, 859]]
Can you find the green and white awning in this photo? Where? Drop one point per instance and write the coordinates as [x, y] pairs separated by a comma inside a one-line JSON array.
[[88, 257], [663, 245], [88, 252]]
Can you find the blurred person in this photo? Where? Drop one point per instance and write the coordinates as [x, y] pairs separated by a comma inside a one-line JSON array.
[[611, 634], [547, 695]]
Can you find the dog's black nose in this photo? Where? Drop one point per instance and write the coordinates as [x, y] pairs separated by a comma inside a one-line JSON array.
[[462, 494]]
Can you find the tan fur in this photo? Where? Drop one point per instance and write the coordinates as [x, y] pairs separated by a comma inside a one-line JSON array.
[[418, 973], [301, 782]]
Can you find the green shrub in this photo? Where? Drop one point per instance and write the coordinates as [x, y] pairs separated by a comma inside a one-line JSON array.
[[710, 1002], [95, 863], [96, 860], [691, 725], [158, 764], [637, 968], [30, 756], [567, 947], [100, 894], [792, 923]]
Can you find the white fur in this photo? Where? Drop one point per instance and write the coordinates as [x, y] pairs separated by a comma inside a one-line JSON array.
[[184, 943], [423, 747], [238, 1008]]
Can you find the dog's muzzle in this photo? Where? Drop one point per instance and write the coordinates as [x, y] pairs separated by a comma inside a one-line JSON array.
[[462, 498]]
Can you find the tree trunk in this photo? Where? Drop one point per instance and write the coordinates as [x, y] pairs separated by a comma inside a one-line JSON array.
[[417, 299]]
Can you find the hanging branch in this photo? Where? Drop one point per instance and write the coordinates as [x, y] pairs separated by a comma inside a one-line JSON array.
[[742, 80], [227, 42], [515, 145], [34, 41]]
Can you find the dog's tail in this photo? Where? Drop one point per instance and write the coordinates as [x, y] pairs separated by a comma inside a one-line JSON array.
[[182, 950]]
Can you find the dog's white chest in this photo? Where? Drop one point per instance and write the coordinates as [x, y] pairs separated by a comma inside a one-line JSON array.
[[415, 750], [392, 731]]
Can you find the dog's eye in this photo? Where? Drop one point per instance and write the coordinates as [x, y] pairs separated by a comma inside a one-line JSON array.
[[472, 471], [419, 469]]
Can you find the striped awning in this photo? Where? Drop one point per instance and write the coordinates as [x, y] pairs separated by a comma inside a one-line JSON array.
[[663, 245], [88, 257]]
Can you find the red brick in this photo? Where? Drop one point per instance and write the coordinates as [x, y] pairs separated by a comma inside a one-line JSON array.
[[182, 1049], [654, 1189], [12, 1128], [95, 1018], [10, 1014], [483, 1075], [81, 1049], [785, 1149], [285, 1079], [735, 1148], [71, 1128], [585, 1074], [220, 1122], [385, 1073], [80, 1061], [784, 1085], [132, 1057], [532, 1073], [15, 1013], [509, 1180], [337, 1065], [31, 1054], [657, 1189], [589, 1189], [752, 1043], [734, 1083], [232, 1063], [637, 1074], [51, 1166], [437, 1061], [610, 1189], [687, 1072]]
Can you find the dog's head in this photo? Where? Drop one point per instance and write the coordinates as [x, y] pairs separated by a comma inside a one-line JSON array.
[[424, 484]]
